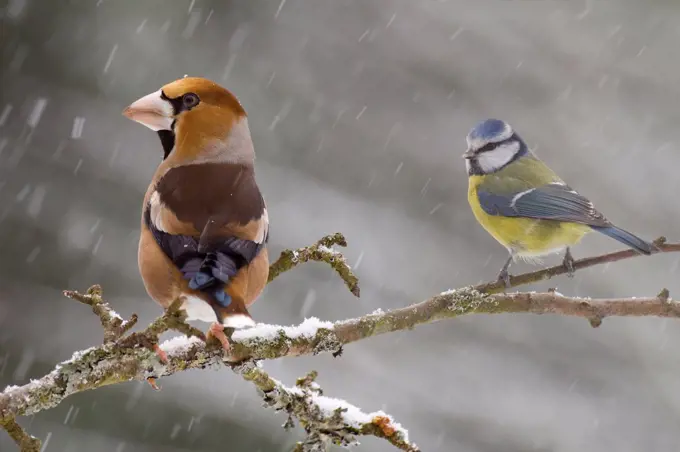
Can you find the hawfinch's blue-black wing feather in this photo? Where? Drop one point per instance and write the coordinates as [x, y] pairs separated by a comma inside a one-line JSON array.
[[549, 202], [205, 270]]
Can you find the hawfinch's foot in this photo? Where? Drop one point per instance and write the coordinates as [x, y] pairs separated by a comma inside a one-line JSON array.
[[217, 330], [161, 354], [152, 383]]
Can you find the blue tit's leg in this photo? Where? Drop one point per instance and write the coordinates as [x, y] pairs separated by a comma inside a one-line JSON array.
[[503, 275], [568, 263]]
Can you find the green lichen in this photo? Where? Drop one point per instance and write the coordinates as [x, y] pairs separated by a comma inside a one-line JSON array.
[[468, 300]]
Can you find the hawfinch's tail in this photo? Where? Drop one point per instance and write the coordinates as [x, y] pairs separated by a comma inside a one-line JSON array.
[[234, 315]]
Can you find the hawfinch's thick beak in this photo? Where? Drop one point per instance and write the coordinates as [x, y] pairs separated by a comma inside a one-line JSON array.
[[468, 154], [151, 111]]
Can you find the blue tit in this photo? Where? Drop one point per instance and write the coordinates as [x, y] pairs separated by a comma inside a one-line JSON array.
[[524, 205]]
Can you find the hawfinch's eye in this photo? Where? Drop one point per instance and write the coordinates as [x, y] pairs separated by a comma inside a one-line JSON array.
[[190, 100]]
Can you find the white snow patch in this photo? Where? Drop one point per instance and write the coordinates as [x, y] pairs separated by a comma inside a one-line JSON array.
[[353, 415], [75, 357], [308, 328], [328, 250], [114, 314], [180, 344]]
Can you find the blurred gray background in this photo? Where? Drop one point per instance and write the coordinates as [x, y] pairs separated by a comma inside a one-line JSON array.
[[358, 110]]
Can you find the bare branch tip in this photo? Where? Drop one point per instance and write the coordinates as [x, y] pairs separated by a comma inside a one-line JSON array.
[[333, 239], [95, 290], [659, 242], [596, 321], [25, 441]]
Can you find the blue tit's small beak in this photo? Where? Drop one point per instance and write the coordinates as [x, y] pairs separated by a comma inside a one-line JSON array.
[[468, 154]]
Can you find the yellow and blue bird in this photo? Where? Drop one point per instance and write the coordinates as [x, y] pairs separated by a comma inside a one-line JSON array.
[[524, 205]]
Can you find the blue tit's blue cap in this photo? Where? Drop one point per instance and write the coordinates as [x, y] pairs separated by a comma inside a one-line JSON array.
[[489, 131]]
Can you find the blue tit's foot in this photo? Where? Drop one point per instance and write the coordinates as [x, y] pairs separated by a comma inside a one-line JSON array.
[[222, 297], [504, 276], [201, 280], [217, 330], [568, 263]]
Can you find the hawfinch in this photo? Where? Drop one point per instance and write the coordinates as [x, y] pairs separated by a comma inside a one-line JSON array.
[[204, 221]]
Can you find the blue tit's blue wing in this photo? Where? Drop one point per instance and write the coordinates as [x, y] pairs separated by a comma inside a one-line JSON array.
[[549, 202]]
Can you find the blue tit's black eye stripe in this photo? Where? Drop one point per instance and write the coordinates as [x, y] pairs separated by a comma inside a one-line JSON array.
[[491, 146]]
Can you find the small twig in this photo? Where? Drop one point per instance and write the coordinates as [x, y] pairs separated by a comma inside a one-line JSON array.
[[321, 251], [174, 318], [114, 325], [26, 442], [547, 273], [325, 420]]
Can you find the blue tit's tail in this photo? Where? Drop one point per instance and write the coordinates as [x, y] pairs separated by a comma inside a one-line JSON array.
[[625, 237]]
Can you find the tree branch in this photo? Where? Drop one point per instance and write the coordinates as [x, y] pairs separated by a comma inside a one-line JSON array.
[[26, 442], [547, 273], [325, 420], [321, 251], [114, 325], [135, 356]]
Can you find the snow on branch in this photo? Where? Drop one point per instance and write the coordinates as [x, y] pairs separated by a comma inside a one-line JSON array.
[[128, 356], [325, 420]]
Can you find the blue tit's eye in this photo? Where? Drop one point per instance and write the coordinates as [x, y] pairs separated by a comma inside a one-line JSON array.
[[190, 100]]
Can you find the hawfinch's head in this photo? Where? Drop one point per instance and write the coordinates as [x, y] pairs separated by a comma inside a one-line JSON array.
[[193, 111]]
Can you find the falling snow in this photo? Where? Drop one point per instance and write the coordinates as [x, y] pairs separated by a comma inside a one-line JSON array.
[[5, 114], [37, 112], [77, 130]]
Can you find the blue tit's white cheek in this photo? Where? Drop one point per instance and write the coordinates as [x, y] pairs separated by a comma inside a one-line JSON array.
[[497, 158]]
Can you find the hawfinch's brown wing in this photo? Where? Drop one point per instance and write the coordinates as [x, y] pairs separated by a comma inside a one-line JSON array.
[[210, 220]]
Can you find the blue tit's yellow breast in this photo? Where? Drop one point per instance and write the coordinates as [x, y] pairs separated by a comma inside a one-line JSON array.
[[524, 236]]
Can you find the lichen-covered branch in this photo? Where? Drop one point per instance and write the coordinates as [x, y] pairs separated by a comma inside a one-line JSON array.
[[26, 442], [312, 336], [551, 272], [321, 251], [113, 324], [110, 363], [325, 420], [128, 356]]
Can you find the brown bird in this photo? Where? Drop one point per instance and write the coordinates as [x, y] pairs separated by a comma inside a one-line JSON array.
[[204, 221]]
